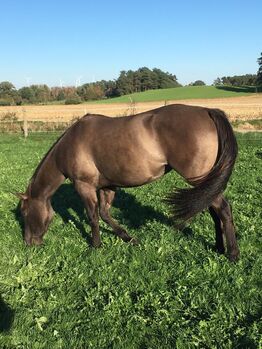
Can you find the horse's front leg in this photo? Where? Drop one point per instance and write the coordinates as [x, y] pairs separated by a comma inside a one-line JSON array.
[[89, 197]]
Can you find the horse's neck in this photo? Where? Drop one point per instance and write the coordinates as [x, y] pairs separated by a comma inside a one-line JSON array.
[[46, 179]]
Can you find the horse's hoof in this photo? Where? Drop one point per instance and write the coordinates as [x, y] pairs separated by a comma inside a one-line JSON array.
[[37, 241], [134, 242], [234, 257], [97, 244], [28, 243], [220, 250]]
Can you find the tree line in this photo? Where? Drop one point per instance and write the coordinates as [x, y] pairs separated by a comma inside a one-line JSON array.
[[242, 80], [128, 82], [237, 80]]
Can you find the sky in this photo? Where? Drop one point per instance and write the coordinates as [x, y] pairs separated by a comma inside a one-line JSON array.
[[73, 42]]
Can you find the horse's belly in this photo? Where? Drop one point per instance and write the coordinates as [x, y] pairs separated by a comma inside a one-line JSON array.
[[128, 165], [132, 175]]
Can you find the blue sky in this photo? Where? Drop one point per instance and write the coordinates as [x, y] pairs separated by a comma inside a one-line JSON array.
[[72, 42]]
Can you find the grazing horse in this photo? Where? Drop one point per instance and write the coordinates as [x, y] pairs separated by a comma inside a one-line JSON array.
[[100, 153]]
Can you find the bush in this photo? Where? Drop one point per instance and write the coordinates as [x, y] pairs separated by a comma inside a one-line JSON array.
[[73, 100], [198, 83], [5, 102], [9, 116]]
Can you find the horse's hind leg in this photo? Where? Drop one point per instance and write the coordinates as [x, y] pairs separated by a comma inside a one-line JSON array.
[[89, 197], [219, 232], [106, 197], [223, 211]]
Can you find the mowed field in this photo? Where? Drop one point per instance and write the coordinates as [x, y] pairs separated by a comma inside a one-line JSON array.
[[239, 105], [171, 291]]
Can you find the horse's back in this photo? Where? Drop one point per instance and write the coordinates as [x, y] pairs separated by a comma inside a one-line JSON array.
[[134, 150]]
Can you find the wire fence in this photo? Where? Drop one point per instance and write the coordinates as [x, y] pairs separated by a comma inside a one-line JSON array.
[[26, 126]]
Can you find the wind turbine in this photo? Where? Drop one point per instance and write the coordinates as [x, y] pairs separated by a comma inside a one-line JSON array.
[[78, 81], [61, 83]]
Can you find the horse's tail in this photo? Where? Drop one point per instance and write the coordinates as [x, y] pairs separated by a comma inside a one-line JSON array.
[[186, 203]]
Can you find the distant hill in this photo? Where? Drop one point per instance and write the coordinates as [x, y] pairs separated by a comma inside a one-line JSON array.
[[188, 92]]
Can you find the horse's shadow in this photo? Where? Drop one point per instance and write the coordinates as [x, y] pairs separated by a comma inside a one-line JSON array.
[[129, 210], [133, 213], [189, 234], [64, 201], [6, 316]]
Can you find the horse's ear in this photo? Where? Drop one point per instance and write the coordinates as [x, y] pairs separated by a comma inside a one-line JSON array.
[[21, 196]]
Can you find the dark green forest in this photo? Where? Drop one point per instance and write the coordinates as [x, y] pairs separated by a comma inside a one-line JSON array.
[[237, 80]]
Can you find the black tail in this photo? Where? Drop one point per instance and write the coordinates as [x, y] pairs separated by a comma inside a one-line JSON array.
[[186, 203]]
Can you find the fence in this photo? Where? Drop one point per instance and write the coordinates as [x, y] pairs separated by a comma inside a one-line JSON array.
[[49, 118], [14, 121], [26, 126]]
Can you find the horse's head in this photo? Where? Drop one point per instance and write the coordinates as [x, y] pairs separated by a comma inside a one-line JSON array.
[[37, 215]]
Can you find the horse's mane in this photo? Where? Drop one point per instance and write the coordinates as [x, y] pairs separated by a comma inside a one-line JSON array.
[[49, 151], [45, 156]]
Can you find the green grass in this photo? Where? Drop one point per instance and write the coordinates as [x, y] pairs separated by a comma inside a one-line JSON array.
[[171, 291], [188, 92]]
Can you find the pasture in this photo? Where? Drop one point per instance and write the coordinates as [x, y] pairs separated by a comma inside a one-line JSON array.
[[186, 92], [171, 291]]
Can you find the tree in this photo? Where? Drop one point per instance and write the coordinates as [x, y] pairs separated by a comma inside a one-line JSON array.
[[110, 89], [6, 88], [217, 82], [60, 95], [136, 81], [198, 83], [27, 94], [42, 93], [239, 80], [259, 73], [165, 80], [56, 93], [143, 79], [146, 79], [8, 93], [124, 83]]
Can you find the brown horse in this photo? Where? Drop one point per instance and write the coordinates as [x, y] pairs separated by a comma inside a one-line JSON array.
[[99, 154]]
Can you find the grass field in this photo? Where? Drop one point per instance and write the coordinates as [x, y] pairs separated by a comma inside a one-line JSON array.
[[171, 291], [187, 92]]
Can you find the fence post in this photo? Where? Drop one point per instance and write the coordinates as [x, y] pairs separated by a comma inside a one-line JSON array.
[[25, 124]]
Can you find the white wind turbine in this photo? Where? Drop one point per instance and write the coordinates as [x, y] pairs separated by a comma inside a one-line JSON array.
[[78, 81]]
